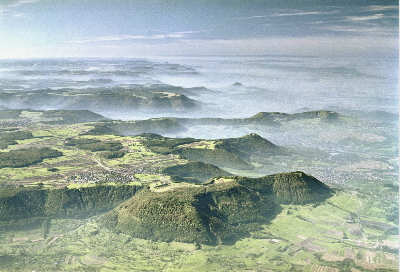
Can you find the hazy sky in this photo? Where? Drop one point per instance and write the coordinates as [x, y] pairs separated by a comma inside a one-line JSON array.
[[133, 28]]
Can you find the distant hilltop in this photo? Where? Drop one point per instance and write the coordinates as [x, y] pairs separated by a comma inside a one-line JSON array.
[[221, 211], [173, 125], [153, 98], [279, 116]]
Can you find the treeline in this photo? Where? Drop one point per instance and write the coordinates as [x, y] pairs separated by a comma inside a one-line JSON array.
[[94, 145], [26, 157], [10, 137]]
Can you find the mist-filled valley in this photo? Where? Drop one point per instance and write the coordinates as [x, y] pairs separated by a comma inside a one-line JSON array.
[[226, 97], [217, 163], [282, 83]]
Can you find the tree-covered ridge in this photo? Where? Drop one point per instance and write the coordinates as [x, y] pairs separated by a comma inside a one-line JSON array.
[[50, 116], [11, 137], [26, 157], [196, 172], [93, 145], [136, 97], [220, 211], [173, 125]]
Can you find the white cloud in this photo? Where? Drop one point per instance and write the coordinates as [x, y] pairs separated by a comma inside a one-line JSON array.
[[301, 13], [10, 8], [371, 30], [253, 17], [381, 7], [282, 14], [173, 35], [17, 3], [19, 15], [366, 18]]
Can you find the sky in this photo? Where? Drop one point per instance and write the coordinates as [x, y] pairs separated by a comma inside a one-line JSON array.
[[138, 28]]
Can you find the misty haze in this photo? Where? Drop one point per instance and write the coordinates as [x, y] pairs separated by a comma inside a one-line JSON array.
[[198, 136]]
